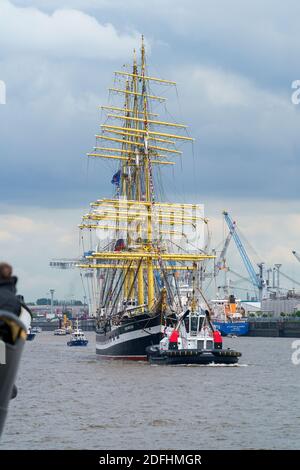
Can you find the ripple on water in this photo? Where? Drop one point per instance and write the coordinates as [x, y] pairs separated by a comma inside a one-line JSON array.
[[70, 399]]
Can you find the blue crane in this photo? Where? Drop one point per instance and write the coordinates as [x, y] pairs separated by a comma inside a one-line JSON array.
[[256, 279], [221, 262]]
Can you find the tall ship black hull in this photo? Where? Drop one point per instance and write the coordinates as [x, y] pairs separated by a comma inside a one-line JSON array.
[[130, 339]]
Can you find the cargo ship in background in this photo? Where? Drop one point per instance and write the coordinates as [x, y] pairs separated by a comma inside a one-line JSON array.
[[228, 316]]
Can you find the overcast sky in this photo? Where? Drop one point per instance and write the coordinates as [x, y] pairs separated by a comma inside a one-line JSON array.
[[234, 63]]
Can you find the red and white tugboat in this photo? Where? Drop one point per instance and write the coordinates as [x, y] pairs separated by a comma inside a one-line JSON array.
[[192, 340]]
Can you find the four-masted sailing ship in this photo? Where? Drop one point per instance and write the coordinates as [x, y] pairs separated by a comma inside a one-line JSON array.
[[143, 244]]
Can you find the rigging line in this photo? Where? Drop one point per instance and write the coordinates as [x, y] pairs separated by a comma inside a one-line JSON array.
[[91, 239], [115, 288], [134, 279], [181, 160], [93, 286], [172, 117], [120, 289], [177, 246], [209, 238], [194, 165], [242, 288], [178, 101], [204, 298], [83, 286], [241, 278], [82, 241], [209, 284], [164, 93], [177, 289], [186, 251], [79, 243], [169, 291], [87, 169], [107, 246], [247, 243], [109, 290], [89, 291], [98, 283], [197, 248], [289, 278], [103, 290]]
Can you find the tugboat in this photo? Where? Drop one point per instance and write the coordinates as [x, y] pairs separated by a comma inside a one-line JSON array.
[[77, 337], [60, 332], [36, 329], [192, 340]]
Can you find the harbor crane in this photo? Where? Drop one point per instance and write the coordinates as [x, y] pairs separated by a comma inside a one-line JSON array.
[[256, 279], [220, 263], [297, 256], [90, 293]]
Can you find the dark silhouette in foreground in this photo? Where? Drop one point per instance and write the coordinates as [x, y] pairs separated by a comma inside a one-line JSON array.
[[14, 322]]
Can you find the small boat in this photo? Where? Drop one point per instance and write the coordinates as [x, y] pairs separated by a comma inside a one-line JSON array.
[[60, 332], [36, 329], [197, 343], [78, 338], [30, 334]]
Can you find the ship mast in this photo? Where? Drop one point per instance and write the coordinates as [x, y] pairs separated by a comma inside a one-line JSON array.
[[139, 139], [149, 184]]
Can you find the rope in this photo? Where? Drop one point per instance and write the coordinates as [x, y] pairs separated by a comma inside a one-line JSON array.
[[121, 286], [135, 276], [83, 286]]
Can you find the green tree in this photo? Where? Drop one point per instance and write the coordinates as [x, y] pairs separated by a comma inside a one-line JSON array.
[[43, 301]]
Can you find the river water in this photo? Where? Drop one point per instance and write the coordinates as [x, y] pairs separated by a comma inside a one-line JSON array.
[[70, 400]]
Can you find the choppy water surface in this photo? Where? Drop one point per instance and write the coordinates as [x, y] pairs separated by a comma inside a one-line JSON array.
[[70, 400]]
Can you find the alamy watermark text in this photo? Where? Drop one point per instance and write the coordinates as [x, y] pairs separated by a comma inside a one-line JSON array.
[[295, 97], [296, 353], [2, 92]]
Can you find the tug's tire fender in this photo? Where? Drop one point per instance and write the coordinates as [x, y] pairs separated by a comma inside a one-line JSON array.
[[226, 353], [183, 352]]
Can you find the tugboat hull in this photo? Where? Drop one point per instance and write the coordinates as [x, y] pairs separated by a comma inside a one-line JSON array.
[[192, 356]]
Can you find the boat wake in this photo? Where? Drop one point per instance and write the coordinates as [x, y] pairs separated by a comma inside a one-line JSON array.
[[203, 365]]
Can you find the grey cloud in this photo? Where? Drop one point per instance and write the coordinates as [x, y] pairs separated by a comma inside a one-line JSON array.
[[234, 66], [63, 33], [51, 118]]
